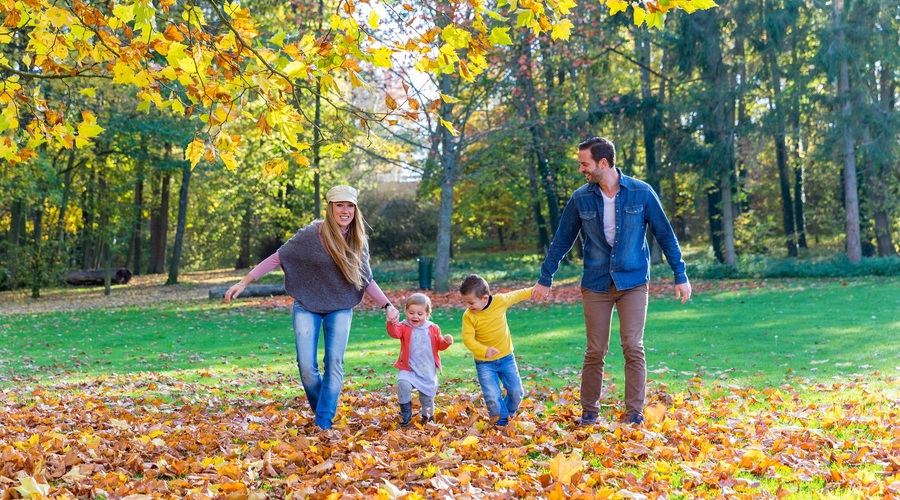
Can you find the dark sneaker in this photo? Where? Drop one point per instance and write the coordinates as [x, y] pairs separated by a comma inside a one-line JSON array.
[[634, 418], [425, 419], [501, 422], [588, 418]]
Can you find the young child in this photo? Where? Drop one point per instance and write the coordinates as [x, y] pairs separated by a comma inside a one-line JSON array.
[[419, 361], [486, 333]]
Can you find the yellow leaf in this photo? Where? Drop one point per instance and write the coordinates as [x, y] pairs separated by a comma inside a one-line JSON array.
[[194, 152], [655, 20], [449, 126], [381, 57], [88, 92], [124, 13], [373, 20], [563, 468], [274, 167], [500, 36], [702, 4], [30, 486], [564, 6], [229, 160], [455, 37], [122, 73], [562, 30], [295, 68], [278, 39], [469, 440], [448, 98], [616, 6], [194, 16], [639, 15], [507, 483]]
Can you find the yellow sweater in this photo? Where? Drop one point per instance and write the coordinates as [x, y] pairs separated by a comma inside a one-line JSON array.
[[488, 327]]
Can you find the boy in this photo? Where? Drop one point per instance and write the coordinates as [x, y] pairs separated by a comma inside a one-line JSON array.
[[486, 333]]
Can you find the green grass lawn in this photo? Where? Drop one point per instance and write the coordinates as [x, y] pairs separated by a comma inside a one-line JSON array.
[[807, 330]]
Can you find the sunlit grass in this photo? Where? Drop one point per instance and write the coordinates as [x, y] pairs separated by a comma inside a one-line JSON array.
[[794, 332]]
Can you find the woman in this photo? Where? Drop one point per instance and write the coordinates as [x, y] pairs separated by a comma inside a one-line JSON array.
[[326, 271]]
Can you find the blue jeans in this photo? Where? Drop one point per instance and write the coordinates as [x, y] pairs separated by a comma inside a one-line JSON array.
[[490, 375], [322, 389]]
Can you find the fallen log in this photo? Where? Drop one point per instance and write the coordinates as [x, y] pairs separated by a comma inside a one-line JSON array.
[[96, 277], [250, 291]]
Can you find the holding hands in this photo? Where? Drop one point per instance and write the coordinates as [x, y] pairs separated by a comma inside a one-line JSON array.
[[540, 292], [392, 313]]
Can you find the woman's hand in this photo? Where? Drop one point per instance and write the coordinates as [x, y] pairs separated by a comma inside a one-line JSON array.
[[392, 314], [448, 339], [234, 291]]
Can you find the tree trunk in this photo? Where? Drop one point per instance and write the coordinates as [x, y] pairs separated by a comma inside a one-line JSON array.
[[799, 166], [881, 190], [317, 157], [180, 225], [851, 195], [787, 205], [538, 136], [713, 203], [730, 257], [159, 222], [105, 231], [64, 201], [15, 239], [449, 167], [88, 208], [37, 262], [243, 261], [97, 277], [720, 123], [532, 161], [136, 242]]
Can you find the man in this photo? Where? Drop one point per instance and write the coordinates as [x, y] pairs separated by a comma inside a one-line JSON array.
[[613, 212]]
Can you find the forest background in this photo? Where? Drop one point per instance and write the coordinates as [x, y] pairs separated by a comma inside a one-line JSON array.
[[769, 129]]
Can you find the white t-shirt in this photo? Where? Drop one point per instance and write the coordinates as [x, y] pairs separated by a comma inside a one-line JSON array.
[[609, 218]]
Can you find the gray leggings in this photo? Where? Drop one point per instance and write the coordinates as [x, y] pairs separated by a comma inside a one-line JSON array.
[[404, 395]]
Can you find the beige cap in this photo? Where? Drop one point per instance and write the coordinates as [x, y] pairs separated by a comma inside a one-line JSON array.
[[342, 193]]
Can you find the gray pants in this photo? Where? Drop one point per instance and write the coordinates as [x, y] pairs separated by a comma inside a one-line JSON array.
[[404, 395]]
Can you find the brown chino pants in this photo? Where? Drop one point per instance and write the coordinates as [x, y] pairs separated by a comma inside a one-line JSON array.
[[631, 306]]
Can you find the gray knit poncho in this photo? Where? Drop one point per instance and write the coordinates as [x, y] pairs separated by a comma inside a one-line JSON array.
[[313, 279]]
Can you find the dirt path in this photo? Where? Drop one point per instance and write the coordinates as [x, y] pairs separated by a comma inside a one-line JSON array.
[[140, 290]]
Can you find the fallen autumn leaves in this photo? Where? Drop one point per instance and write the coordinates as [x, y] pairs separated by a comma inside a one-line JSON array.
[[152, 436]]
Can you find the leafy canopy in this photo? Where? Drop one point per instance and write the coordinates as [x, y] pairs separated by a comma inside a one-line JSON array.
[[209, 60]]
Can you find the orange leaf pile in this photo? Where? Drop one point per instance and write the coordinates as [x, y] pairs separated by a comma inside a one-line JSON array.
[[154, 435]]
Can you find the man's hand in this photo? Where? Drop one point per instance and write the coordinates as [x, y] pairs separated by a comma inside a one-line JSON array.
[[540, 292], [491, 352], [683, 291]]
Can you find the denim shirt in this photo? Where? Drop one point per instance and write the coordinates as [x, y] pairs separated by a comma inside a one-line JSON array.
[[625, 262]]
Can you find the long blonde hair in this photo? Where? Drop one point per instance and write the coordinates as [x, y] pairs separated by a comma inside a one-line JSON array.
[[346, 252]]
